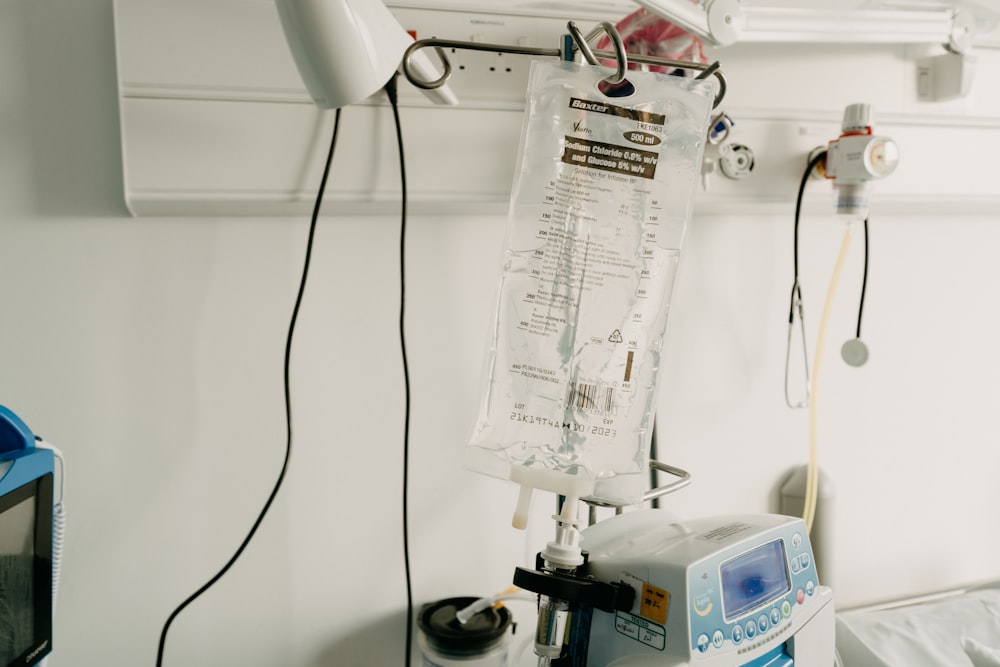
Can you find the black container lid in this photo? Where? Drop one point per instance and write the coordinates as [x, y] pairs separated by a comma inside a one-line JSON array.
[[440, 625]]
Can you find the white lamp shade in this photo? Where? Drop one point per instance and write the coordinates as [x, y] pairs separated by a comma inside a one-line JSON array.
[[345, 50]]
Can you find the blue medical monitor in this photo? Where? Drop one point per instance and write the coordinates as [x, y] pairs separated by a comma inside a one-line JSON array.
[[26, 476]]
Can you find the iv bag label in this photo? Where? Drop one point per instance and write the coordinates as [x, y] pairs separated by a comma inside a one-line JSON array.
[[610, 157], [645, 117]]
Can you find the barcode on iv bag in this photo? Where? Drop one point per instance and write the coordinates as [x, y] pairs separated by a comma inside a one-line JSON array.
[[592, 397]]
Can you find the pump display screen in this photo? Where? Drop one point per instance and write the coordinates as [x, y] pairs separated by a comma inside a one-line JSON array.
[[754, 579], [17, 548]]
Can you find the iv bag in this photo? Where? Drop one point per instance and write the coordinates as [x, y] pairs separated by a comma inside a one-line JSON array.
[[601, 198]]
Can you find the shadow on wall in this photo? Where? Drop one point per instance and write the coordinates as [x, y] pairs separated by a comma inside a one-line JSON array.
[[73, 108], [774, 502], [378, 643]]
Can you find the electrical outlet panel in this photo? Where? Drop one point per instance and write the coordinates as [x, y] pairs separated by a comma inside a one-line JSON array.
[[224, 125]]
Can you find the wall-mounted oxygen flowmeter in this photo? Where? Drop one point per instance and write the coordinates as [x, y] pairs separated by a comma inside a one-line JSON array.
[[852, 161], [857, 158]]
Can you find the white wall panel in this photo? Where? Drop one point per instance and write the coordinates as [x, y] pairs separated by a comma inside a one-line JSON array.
[[215, 120]]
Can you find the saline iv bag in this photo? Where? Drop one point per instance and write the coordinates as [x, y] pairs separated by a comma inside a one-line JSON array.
[[602, 196]]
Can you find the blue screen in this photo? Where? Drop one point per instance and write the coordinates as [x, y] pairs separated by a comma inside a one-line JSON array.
[[753, 579]]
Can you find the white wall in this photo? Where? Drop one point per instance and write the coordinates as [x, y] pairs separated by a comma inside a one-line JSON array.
[[151, 350]]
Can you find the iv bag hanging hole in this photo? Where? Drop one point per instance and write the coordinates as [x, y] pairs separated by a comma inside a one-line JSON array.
[[623, 89], [854, 352], [615, 85]]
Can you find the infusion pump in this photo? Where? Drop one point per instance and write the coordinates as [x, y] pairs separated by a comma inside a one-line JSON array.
[[727, 591]]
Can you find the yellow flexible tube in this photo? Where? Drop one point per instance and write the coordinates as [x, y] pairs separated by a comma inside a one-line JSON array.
[[812, 472]]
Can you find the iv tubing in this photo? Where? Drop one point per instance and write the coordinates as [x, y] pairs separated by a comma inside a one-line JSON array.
[[812, 475], [463, 615]]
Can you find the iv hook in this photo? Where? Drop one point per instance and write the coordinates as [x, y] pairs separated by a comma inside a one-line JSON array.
[[620, 55]]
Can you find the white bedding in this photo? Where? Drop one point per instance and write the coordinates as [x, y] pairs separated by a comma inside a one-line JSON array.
[[958, 631]]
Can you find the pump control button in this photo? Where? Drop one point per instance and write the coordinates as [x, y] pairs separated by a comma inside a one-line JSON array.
[[737, 634], [703, 642], [810, 588], [718, 638], [762, 624], [775, 616], [786, 608], [800, 596], [751, 629]]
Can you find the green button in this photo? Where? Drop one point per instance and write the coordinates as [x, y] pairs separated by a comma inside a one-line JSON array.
[[786, 608]]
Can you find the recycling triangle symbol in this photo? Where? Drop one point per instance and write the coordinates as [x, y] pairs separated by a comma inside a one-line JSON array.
[[616, 336]]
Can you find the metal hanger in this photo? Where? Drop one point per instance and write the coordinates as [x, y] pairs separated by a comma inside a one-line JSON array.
[[572, 43]]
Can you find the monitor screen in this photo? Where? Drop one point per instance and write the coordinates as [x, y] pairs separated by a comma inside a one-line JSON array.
[[26, 573], [754, 579]]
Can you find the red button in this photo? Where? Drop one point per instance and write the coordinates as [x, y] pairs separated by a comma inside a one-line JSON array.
[[799, 596]]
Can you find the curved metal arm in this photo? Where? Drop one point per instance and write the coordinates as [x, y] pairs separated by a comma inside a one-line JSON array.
[[619, 55], [683, 479]]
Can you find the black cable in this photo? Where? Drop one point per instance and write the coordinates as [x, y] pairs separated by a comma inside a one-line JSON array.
[[653, 477], [864, 284], [390, 89], [796, 288], [288, 406]]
